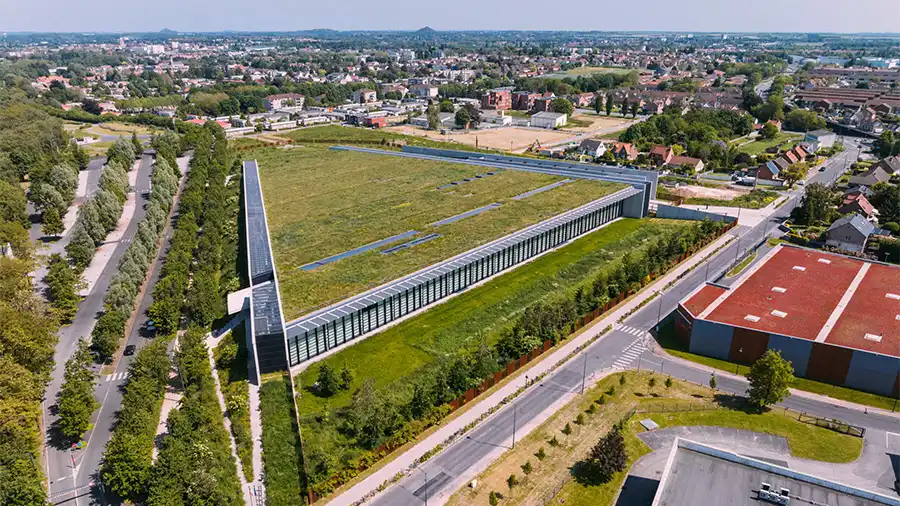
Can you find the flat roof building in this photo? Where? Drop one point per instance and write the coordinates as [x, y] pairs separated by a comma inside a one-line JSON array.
[[700, 474], [836, 318]]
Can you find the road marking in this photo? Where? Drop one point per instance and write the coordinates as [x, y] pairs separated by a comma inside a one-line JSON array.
[[119, 376]]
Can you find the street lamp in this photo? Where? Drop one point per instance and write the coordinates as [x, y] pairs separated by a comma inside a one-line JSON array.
[[515, 408], [584, 371], [426, 484]]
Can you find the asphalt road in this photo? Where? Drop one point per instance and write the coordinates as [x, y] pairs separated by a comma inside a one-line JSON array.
[[61, 474], [628, 346]]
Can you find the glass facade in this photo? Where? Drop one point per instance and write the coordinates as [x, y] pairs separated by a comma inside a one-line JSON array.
[[322, 332]]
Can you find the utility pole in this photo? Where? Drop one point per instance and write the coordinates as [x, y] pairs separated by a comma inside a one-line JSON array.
[[515, 408], [426, 484], [584, 371]]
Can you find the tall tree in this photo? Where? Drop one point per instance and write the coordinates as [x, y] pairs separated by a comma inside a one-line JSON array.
[[598, 103], [136, 144], [608, 456], [76, 397], [770, 377], [434, 121], [609, 104]]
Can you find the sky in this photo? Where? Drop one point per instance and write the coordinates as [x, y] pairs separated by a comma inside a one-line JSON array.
[[285, 15]]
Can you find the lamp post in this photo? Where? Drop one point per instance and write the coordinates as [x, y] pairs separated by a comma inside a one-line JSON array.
[[426, 484], [584, 371], [515, 408]]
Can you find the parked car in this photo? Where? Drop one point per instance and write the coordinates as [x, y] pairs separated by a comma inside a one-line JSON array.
[[129, 350]]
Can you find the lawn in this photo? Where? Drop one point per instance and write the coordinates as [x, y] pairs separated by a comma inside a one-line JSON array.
[[322, 202], [574, 122], [557, 479], [756, 199], [673, 347], [231, 364], [335, 134], [760, 146], [281, 443]]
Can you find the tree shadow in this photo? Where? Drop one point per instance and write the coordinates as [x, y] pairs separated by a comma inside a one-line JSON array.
[[583, 474], [737, 403]]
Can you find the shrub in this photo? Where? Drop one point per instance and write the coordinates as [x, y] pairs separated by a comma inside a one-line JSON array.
[[611, 390], [591, 409], [579, 419], [567, 429], [541, 454], [526, 468], [601, 400], [622, 379], [512, 481], [668, 382], [553, 442]]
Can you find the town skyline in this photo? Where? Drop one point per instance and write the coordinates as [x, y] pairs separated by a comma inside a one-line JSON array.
[[703, 16]]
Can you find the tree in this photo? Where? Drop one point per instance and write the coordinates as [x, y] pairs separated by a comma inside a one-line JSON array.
[[136, 144], [91, 106], [81, 247], [598, 103], [668, 382], [801, 120], [562, 105], [346, 377], [76, 400], [886, 199], [62, 283], [712, 381], [651, 383], [446, 106], [770, 377], [624, 106], [795, 172], [52, 224], [12, 203], [608, 456], [609, 104], [121, 152], [434, 121], [462, 118], [815, 206], [634, 110], [768, 131], [328, 382]]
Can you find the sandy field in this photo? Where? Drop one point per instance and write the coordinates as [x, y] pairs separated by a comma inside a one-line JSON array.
[[599, 124], [704, 192], [496, 138]]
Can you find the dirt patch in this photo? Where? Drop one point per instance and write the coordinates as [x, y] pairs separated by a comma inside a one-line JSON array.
[[504, 138], [599, 124], [709, 193]]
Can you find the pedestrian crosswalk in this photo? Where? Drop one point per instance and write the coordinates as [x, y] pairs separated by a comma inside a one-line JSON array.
[[119, 376], [631, 330], [630, 353]]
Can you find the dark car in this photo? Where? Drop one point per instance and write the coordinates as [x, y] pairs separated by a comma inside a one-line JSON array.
[[129, 350]]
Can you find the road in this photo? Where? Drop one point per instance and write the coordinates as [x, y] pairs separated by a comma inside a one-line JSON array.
[[108, 391], [627, 346]]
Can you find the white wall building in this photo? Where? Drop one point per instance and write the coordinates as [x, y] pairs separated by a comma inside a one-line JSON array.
[[549, 120]]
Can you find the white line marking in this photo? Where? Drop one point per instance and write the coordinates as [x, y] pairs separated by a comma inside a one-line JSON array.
[[842, 304]]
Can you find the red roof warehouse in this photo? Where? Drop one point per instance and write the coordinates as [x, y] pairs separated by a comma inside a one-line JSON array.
[[836, 318]]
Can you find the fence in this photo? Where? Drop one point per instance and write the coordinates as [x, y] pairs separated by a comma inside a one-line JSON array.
[[676, 407], [832, 424]]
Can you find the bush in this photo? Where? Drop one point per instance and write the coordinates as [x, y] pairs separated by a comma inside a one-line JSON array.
[[512, 481], [591, 409], [601, 400], [541, 454], [567, 429], [892, 226], [608, 456], [553, 442], [526, 468], [580, 419]]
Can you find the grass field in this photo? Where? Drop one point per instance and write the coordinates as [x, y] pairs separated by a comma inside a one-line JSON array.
[[755, 199], [556, 479], [673, 347], [743, 265], [760, 146], [281, 443], [322, 202]]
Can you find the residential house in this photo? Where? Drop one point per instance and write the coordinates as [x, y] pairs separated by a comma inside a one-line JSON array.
[[791, 157], [661, 155], [374, 121], [695, 164], [782, 163], [799, 152], [891, 165], [871, 177], [592, 147], [857, 203], [498, 98], [825, 138], [284, 101], [445, 120], [849, 233], [365, 96], [654, 107], [769, 171], [424, 91], [582, 99], [548, 119], [883, 109], [524, 100], [624, 150], [542, 104]]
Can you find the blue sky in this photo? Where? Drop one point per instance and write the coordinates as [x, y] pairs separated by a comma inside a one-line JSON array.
[[680, 15]]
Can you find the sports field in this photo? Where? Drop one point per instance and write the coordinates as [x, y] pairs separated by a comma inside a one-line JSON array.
[[322, 203]]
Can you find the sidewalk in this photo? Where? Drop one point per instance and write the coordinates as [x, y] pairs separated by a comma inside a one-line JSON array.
[[404, 461]]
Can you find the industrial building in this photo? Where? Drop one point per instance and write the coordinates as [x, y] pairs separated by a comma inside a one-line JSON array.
[[835, 318], [701, 474]]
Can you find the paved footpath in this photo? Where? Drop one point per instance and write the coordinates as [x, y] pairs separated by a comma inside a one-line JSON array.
[[405, 460]]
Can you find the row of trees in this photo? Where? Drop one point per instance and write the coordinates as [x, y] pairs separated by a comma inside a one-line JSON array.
[[76, 397], [132, 269], [698, 131], [395, 415], [63, 285], [98, 216]]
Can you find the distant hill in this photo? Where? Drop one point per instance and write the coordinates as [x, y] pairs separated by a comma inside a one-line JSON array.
[[166, 31], [426, 32]]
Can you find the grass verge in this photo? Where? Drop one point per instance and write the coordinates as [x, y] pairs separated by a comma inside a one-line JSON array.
[[743, 265], [282, 462], [231, 363]]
